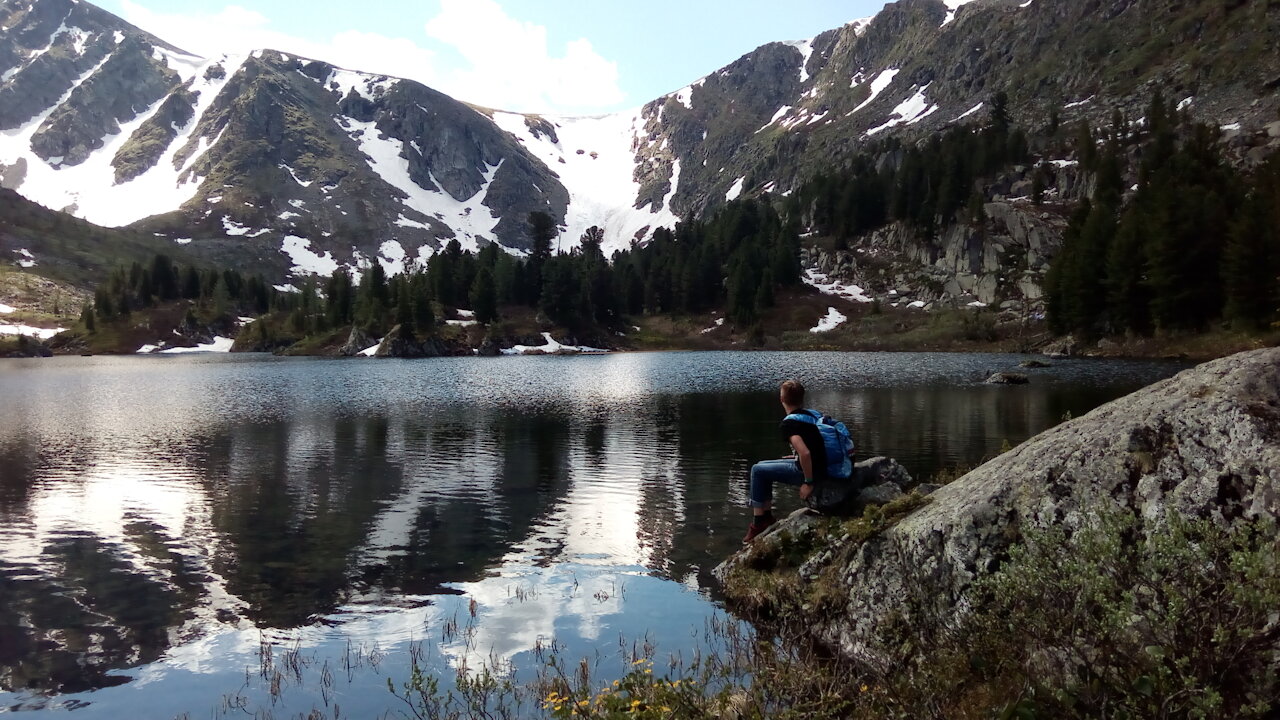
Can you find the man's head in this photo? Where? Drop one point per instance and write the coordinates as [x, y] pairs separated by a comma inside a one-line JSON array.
[[792, 394]]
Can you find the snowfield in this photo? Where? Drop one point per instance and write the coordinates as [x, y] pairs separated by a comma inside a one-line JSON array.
[[595, 160]]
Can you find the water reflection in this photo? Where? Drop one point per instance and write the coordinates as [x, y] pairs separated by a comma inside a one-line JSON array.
[[148, 508]]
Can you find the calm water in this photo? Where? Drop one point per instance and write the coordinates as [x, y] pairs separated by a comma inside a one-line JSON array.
[[163, 517]]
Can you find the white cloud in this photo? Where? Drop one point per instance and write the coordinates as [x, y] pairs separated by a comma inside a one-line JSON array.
[[483, 55], [509, 65]]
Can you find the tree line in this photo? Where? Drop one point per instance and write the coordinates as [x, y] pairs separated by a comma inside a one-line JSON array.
[[138, 286], [736, 260], [1196, 243]]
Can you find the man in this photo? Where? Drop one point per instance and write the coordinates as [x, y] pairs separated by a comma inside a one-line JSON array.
[[806, 466]]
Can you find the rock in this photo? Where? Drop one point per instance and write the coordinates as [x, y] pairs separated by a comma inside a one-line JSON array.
[[1008, 378], [850, 497], [399, 344], [357, 342], [1205, 444], [1106, 345], [1061, 348], [1034, 364], [489, 347], [880, 494]]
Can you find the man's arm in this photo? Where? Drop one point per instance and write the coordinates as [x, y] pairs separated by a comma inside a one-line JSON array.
[[806, 465]]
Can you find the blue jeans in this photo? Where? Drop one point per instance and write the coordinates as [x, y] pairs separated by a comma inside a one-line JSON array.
[[766, 472]]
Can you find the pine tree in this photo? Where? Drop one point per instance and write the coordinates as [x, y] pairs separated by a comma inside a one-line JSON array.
[[483, 295]]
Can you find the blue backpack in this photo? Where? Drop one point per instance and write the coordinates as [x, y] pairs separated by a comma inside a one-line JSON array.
[[835, 438]]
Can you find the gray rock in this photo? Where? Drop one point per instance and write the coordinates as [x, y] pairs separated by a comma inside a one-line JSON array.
[[850, 497], [1205, 443], [1062, 347], [880, 494], [357, 342], [1034, 364], [400, 344], [1008, 378], [489, 348]]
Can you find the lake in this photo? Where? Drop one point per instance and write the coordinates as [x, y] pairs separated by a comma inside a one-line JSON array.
[[163, 520]]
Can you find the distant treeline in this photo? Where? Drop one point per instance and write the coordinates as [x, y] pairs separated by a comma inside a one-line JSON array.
[[140, 286], [1197, 242], [678, 271], [734, 260]]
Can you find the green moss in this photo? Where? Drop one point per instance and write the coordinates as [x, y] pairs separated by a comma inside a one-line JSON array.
[[767, 582]]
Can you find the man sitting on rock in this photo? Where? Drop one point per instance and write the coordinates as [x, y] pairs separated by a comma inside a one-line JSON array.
[[807, 465]]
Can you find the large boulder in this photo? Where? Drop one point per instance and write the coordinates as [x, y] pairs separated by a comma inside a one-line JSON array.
[[875, 481], [357, 342], [1205, 444]]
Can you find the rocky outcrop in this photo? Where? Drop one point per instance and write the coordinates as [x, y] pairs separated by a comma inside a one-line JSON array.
[[1008, 378], [1204, 444], [357, 342], [400, 343], [1001, 262]]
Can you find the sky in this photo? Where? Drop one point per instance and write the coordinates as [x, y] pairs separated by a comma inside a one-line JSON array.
[[550, 56]]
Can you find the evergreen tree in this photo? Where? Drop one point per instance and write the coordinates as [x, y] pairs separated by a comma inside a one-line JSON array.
[[484, 300]]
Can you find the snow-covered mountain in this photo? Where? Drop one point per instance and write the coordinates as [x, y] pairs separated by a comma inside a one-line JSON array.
[[304, 166]]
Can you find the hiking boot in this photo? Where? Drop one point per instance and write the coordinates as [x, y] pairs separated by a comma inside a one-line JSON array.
[[757, 526]]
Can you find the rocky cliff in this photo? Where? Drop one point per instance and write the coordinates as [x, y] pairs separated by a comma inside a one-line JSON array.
[[1204, 444]]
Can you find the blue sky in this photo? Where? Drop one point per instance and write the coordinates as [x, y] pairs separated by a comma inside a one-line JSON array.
[[565, 56]]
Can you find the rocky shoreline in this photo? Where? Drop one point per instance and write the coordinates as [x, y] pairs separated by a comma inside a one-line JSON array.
[[1204, 444]]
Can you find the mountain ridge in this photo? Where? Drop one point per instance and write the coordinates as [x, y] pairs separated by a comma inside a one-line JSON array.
[[335, 166]]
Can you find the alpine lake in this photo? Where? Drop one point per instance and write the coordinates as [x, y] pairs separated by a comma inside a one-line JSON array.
[[171, 526]]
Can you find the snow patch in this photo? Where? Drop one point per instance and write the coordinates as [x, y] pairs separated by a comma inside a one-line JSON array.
[[391, 256], [29, 331], [736, 190], [833, 320], [219, 345], [1185, 103], [782, 112], [806, 51], [952, 7], [909, 112], [1078, 103], [968, 112], [827, 286], [294, 175], [878, 85], [551, 348], [718, 324], [7, 309], [305, 260]]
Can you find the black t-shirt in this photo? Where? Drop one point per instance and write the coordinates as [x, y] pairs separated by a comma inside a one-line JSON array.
[[808, 432]]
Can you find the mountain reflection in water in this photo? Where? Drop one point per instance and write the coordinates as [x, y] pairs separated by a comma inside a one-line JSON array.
[[149, 504]]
